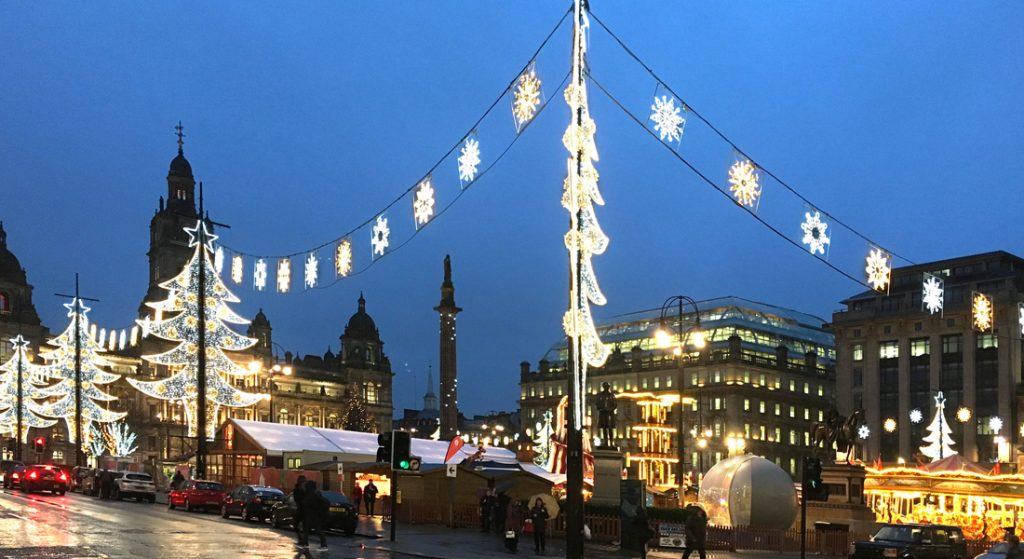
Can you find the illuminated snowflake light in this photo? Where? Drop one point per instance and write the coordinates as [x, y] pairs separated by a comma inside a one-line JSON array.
[[879, 269], [380, 236], [995, 423], [815, 236], [469, 158], [863, 432], [237, 269], [933, 293], [526, 98], [981, 309], [284, 275], [744, 183], [218, 260], [343, 258], [423, 204], [1020, 317], [311, 271], [667, 120], [889, 425], [916, 415], [259, 274], [963, 415]]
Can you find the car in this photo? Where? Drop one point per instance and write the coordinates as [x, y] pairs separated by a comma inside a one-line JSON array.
[[90, 483], [197, 494], [44, 477], [134, 484], [342, 515], [12, 473], [912, 541], [5, 467], [997, 551], [78, 473], [251, 501]]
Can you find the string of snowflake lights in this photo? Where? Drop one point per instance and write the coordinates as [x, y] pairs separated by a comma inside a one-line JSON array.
[[933, 293], [667, 120], [310, 271], [469, 158], [259, 275], [343, 258], [423, 204], [284, 275], [237, 269], [982, 312], [182, 326], [379, 236], [744, 183], [878, 268], [585, 237], [218, 260], [815, 236], [526, 98], [60, 365], [32, 378]]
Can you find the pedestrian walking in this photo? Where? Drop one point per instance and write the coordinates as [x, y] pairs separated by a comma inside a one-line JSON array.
[[106, 484], [299, 496], [539, 518], [357, 495], [177, 480], [487, 503], [513, 526], [369, 496], [696, 529], [314, 507]]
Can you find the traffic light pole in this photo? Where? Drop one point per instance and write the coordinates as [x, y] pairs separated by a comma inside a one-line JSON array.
[[394, 489]]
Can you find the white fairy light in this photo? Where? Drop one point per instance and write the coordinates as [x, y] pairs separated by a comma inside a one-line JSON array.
[[380, 234], [744, 183], [932, 293], [343, 258], [122, 439], [311, 272], [878, 268], [259, 274], [284, 275], [423, 204], [815, 232], [667, 120], [469, 158], [237, 269], [526, 98]]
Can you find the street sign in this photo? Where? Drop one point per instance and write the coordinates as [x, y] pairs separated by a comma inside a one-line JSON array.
[[452, 469], [671, 535], [341, 469]]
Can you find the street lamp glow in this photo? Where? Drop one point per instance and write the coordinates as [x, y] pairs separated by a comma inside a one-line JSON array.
[[702, 443], [699, 341], [663, 338], [255, 366], [708, 433]]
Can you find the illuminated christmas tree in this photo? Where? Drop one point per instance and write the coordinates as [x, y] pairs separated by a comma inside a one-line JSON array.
[[32, 376], [939, 441], [178, 321], [120, 439], [354, 416], [60, 364]]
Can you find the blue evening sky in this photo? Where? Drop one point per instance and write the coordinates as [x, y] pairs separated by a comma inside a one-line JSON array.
[[305, 119]]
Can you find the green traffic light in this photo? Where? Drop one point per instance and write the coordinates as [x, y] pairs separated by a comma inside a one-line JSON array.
[[404, 464]]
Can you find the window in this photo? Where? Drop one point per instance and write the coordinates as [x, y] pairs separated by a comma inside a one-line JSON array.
[[778, 409], [919, 347], [858, 352], [807, 414], [5, 302], [746, 377], [693, 379], [856, 332], [807, 438], [792, 437], [746, 430], [792, 412], [987, 341], [746, 404], [657, 382], [792, 386], [763, 432], [762, 379], [716, 404], [761, 406], [717, 376], [807, 388], [858, 377], [821, 390], [888, 350], [778, 435], [644, 383], [668, 382], [953, 343], [294, 463]]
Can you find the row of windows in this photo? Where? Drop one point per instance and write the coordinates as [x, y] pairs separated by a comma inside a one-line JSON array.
[[951, 344]]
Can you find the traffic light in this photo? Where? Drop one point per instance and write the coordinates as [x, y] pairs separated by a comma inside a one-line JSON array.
[[384, 440], [40, 444], [414, 463], [813, 487], [400, 458]]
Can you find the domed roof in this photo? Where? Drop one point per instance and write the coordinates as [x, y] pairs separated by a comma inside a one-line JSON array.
[[180, 167], [751, 491], [10, 267], [360, 325], [260, 319]]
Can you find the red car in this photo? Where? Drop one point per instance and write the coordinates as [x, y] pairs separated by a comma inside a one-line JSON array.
[[197, 494]]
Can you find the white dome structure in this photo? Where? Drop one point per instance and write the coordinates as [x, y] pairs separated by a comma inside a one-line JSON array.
[[751, 491]]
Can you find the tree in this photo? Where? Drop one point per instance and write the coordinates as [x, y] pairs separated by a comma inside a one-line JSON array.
[[60, 364], [120, 439], [182, 304], [32, 376], [354, 416], [938, 438]]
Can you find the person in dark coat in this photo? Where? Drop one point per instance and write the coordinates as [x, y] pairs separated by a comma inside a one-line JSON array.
[[487, 503], [539, 517], [513, 526], [315, 508], [500, 511], [357, 496], [299, 496], [369, 496], [106, 484], [177, 480], [696, 530]]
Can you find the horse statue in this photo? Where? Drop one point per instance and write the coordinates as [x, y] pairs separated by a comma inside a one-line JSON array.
[[823, 434], [846, 439]]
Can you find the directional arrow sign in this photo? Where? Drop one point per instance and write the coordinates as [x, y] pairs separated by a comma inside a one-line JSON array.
[[452, 469]]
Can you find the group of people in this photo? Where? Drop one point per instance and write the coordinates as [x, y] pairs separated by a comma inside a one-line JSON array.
[[368, 495], [310, 512], [512, 518], [105, 483]]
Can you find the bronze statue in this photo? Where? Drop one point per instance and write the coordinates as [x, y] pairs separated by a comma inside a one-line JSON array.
[[837, 432], [607, 406]]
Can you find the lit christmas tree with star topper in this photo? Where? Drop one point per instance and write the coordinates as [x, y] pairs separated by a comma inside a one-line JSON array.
[[60, 364], [940, 444], [32, 377], [180, 323]]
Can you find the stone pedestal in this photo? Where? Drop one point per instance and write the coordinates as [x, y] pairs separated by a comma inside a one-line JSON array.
[[845, 504], [607, 475]]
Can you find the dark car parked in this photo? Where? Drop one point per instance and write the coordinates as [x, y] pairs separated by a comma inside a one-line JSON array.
[[44, 478], [342, 514], [78, 473], [912, 541], [251, 501], [8, 468]]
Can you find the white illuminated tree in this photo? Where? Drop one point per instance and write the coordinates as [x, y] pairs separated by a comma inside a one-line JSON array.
[[940, 444], [31, 379], [60, 364], [180, 323], [120, 439]]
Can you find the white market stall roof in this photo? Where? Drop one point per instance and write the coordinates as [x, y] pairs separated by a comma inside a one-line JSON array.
[[276, 439]]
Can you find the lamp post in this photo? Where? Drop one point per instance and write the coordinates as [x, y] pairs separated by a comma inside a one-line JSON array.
[[255, 366], [664, 338]]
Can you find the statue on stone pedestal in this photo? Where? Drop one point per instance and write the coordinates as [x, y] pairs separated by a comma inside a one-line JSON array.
[[607, 406]]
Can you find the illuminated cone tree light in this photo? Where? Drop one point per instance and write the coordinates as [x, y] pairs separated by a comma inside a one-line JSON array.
[[180, 323], [940, 444], [31, 379]]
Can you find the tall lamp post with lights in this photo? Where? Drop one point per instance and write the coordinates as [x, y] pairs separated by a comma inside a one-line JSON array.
[[277, 369], [664, 337]]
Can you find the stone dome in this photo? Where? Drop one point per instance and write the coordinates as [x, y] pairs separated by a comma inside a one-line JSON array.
[[10, 267], [751, 491], [180, 167], [361, 325]]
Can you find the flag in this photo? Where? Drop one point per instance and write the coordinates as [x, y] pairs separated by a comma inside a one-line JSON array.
[[995, 470], [453, 448], [878, 462]]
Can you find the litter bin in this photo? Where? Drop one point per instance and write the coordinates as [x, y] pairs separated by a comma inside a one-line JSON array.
[[833, 538]]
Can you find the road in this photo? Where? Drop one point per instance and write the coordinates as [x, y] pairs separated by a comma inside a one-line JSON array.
[[75, 526]]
